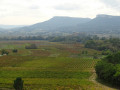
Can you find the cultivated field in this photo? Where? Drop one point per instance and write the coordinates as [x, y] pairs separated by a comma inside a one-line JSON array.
[[52, 66]]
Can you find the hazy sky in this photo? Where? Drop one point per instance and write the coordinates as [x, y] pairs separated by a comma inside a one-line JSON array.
[[20, 12]]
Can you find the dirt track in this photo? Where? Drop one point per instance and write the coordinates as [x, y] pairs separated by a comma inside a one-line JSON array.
[[99, 86]]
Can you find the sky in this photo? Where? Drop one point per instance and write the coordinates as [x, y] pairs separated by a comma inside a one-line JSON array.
[[27, 12]]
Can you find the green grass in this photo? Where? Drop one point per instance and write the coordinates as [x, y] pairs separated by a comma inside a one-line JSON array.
[[44, 74], [51, 66], [60, 63], [48, 83]]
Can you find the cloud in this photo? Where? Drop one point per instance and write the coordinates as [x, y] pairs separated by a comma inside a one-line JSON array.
[[3, 10], [115, 4], [67, 7], [34, 7], [33, 11]]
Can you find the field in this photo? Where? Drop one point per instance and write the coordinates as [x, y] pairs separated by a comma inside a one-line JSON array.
[[52, 66]]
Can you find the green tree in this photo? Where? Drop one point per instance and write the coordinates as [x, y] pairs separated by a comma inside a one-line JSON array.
[[14, 50], [32, 46], [108, 69], [95, 56], [113, 58], [18, 83], [3, 51], [90, 44], [105, 70]]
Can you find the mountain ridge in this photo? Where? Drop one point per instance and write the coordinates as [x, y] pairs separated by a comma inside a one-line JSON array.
[[61, 24]]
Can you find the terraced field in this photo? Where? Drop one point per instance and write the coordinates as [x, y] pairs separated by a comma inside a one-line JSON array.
[[51, 66]]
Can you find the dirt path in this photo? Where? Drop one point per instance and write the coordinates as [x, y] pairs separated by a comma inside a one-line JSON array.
[[99, 86]]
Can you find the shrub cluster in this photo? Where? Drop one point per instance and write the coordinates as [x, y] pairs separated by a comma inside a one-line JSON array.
[[32, 46], [3, 51], [108, 69]]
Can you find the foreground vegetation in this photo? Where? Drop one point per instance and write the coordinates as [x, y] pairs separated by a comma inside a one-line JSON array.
[[51, 65], [108, 69], [65, 63]]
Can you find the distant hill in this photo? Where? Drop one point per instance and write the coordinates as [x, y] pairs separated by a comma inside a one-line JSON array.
[[57, 22], [2, 30], [10, 26], [64, 25], [52, 26], [102, 23]]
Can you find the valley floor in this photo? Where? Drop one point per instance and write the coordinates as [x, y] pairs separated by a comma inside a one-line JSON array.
[[52, 66]]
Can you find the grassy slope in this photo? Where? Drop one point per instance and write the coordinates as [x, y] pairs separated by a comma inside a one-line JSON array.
[[52, 66]]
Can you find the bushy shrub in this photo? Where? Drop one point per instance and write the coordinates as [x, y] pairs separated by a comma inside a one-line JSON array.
[[32, 46], [18, 83], [108, 69], [14, 50], [3, 51]]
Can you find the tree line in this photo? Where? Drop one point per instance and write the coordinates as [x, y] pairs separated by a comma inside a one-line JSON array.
[[111, 44]]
